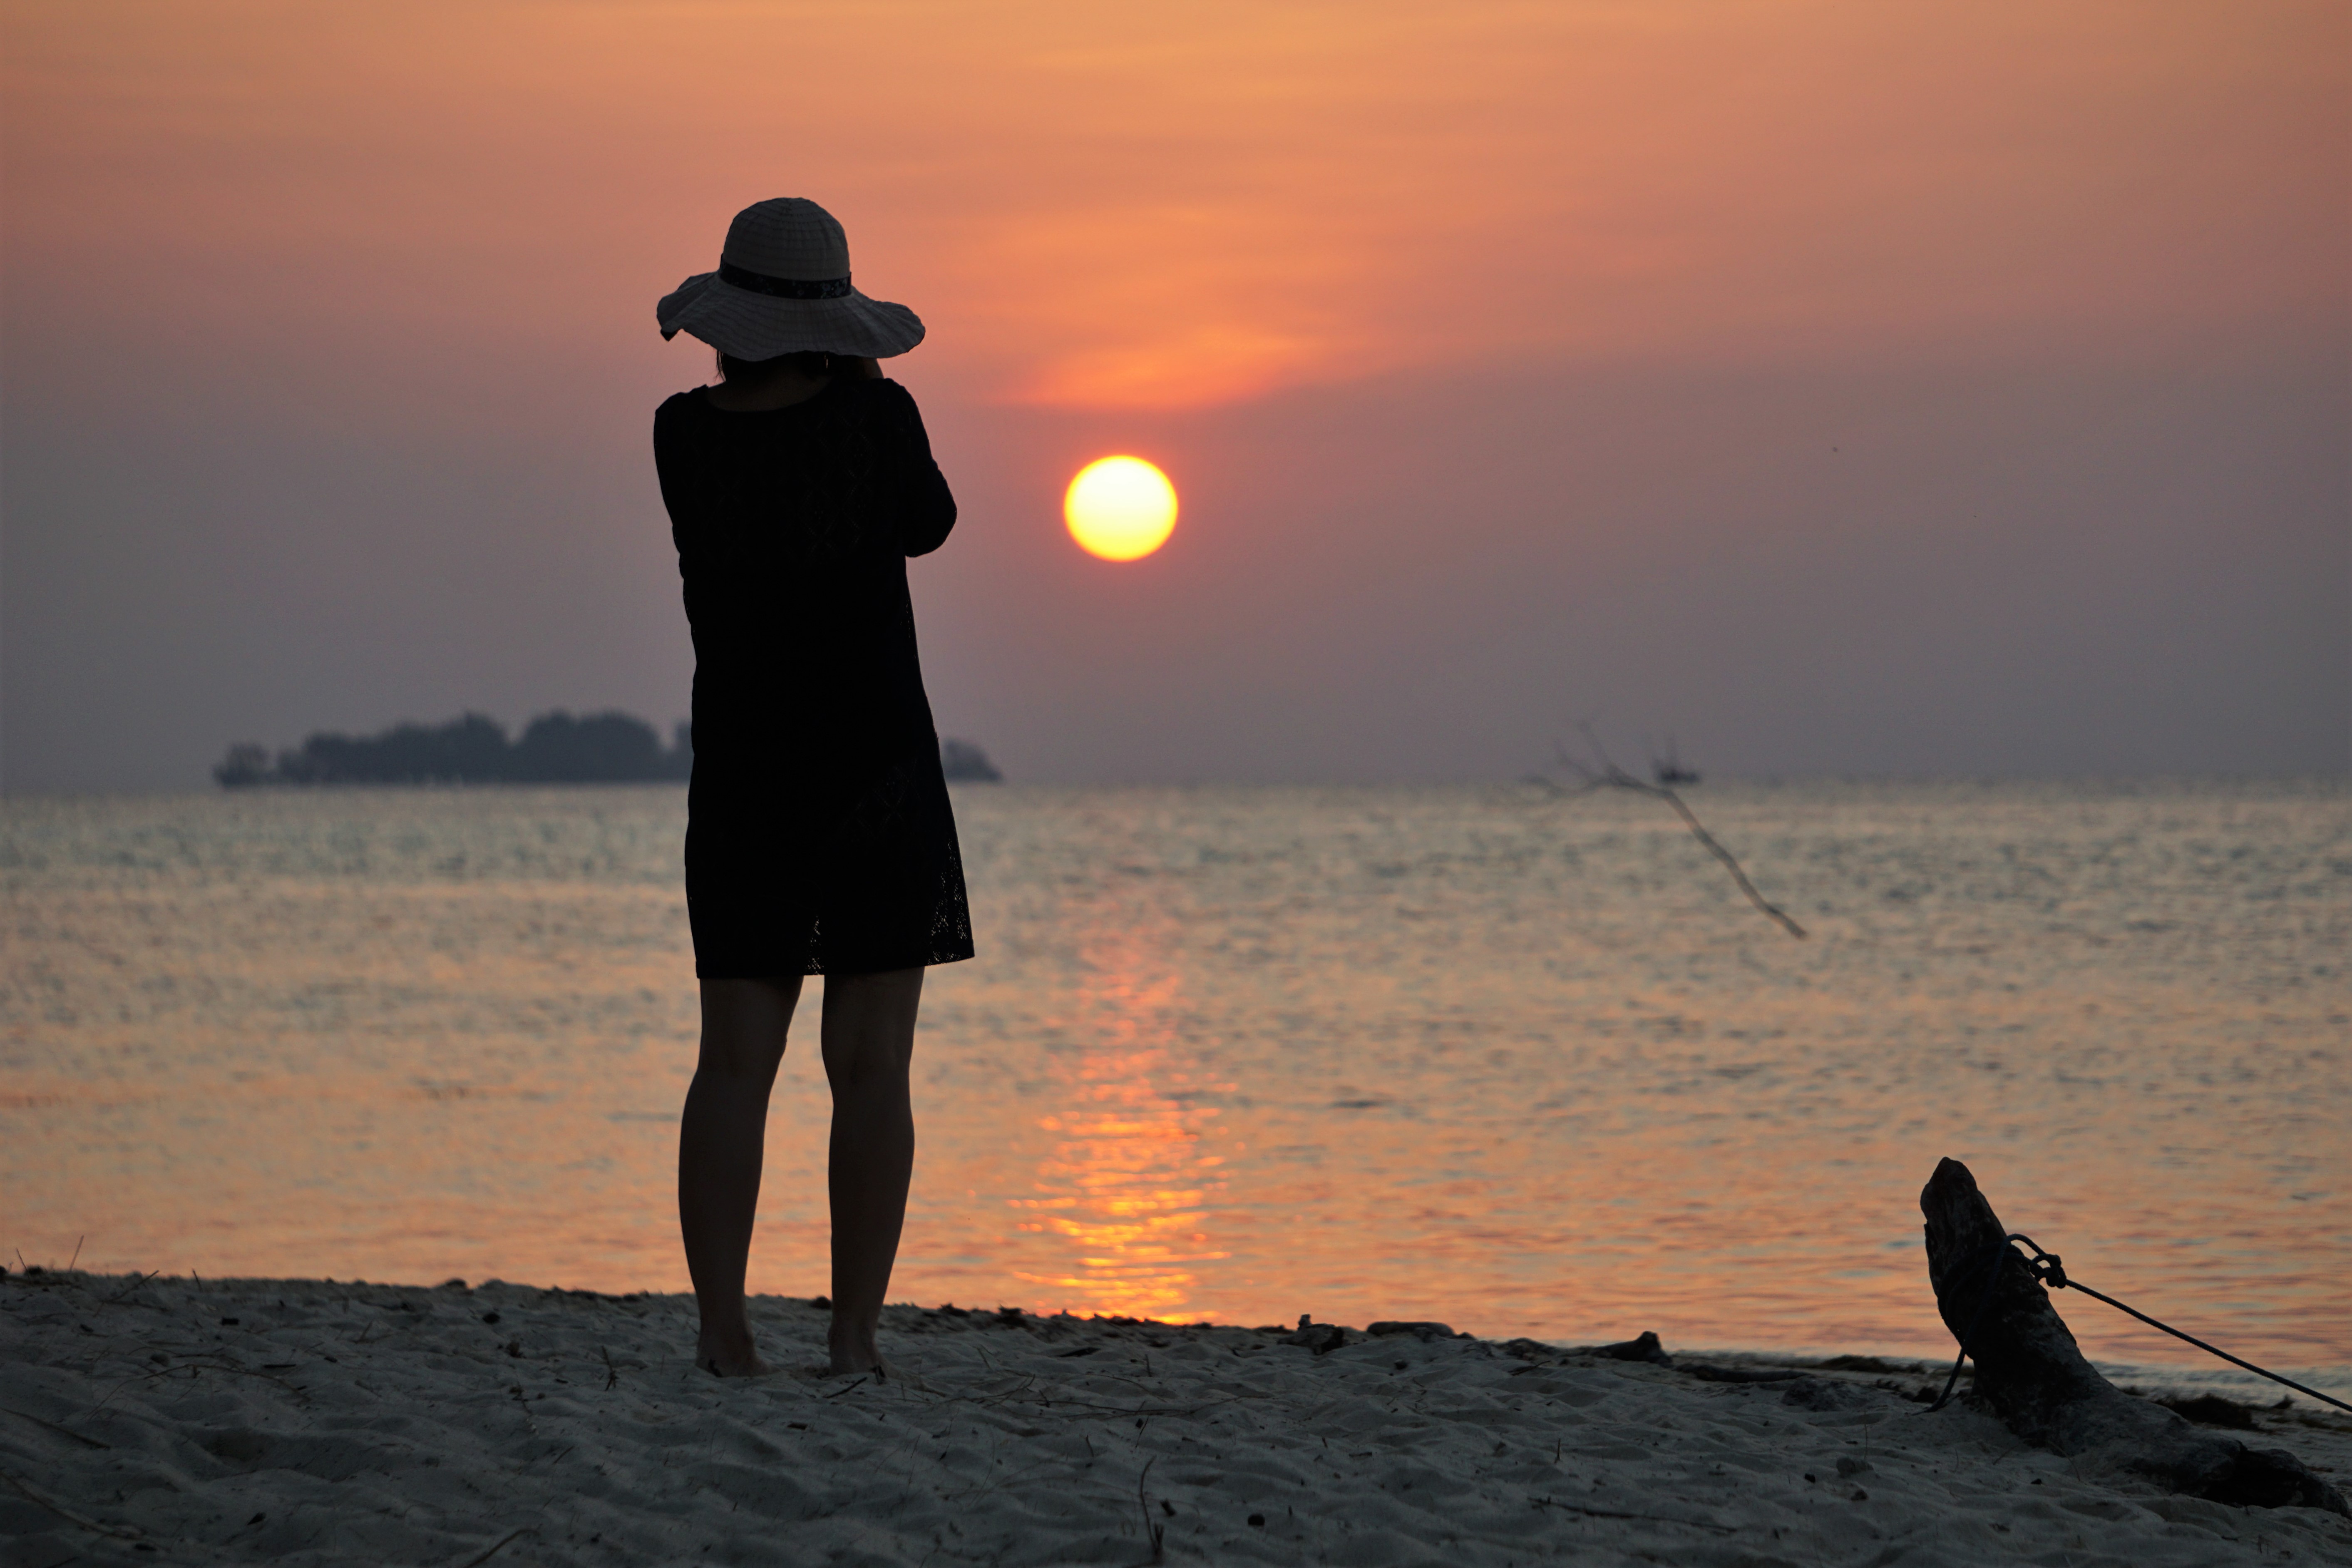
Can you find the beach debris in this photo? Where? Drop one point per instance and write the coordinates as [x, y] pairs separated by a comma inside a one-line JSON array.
[[2212, 1410], [1644, 1346], [239, 1445], [18, 1485], [2031, 1375], [1866, 1364], [1421, 1331], [496, 1546], [1820, 1393], [137, 1281], [67, 1433], [1153, 1530], [1320, 1338], [1706, 1374]]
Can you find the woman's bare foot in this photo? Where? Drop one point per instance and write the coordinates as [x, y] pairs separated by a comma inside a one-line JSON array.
[[850, 1345], [722, 1359], [880, 1371]]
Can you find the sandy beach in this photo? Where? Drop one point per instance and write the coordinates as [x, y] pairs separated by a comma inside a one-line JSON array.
[[221, 1421]]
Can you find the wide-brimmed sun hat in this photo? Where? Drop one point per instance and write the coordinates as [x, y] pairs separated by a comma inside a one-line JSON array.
[[782, 287]]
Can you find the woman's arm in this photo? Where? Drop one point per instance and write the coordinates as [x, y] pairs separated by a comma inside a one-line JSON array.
[[676, 470], [927, 508]]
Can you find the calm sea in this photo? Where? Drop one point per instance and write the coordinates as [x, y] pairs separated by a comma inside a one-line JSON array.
[[1525, 1064]]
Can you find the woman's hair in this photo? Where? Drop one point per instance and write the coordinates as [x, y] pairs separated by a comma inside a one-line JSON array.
[[811, 362]]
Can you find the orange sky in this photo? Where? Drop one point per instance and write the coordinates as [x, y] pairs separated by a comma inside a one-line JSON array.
[[1164, 207], [258, 256]]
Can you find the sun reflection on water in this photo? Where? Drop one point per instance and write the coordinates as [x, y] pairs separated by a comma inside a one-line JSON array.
[[1126, 1185]]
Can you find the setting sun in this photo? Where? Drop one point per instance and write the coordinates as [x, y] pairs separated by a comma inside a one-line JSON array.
[[1121, 509]]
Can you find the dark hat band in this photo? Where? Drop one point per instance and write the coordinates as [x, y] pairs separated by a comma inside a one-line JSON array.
[[782, 288]]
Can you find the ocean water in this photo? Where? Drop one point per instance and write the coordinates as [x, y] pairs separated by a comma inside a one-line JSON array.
[[1521, 1064]]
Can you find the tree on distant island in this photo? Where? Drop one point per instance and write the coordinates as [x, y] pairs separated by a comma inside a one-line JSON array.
[[554, 748]]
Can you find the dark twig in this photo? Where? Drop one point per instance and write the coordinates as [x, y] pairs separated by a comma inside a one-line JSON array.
[[194, 1367], [134, 1285], [495, 1548], [60, 1431], [1000, 1401], [17, 1486], [1645, 1518], [1153, 1530], [1609, 775]]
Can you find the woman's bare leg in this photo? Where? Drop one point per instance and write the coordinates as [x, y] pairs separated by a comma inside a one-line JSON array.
[[869, 1040], [721, 1138]]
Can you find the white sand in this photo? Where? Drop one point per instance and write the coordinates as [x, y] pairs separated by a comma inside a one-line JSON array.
[[378, 1423]]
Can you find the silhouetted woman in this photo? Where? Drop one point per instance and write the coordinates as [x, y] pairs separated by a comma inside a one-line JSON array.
[[819, 838]]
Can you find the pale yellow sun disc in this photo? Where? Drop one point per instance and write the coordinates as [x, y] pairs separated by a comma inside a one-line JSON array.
[[1121, 509]]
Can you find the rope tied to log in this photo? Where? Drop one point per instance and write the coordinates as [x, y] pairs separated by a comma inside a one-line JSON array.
[[2049, 1270]]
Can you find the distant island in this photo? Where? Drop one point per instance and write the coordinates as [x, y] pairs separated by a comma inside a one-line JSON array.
[[554, 748], [965, 763]]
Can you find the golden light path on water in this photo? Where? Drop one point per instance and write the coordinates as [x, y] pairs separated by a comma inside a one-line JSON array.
[[1521, 1064], [1127, 1182]]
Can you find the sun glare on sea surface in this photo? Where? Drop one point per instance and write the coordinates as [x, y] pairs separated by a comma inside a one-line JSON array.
[[1121, 509]]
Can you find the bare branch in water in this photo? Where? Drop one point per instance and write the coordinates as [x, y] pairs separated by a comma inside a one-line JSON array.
[[1607, 775]]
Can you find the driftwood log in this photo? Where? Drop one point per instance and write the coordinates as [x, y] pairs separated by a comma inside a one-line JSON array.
[[2030, 1373]]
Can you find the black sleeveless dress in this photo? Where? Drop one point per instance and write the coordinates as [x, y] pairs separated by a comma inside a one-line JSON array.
[[819, 838]]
